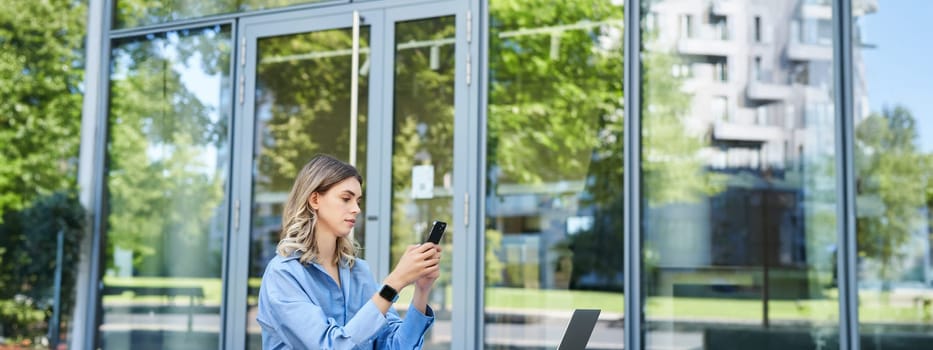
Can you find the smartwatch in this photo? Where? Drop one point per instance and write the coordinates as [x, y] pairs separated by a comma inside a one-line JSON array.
[[388, 293]]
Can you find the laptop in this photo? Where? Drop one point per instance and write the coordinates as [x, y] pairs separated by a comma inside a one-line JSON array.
[[579, 330]]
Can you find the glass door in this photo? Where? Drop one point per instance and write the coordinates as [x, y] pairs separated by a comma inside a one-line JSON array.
[[421, 111], [369, 85], [300, 94]]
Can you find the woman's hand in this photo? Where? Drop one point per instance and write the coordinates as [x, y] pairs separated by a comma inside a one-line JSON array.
[[425, 283], [417, 261]]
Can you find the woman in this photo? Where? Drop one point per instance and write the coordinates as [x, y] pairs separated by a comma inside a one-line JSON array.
[[317, 294]]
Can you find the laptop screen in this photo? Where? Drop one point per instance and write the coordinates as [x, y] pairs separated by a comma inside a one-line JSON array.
[[579, 330]]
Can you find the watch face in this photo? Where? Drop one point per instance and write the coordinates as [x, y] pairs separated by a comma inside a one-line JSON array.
[[388, 293]]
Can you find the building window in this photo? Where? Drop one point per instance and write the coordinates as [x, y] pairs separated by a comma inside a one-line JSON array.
[[682, 70], [757, 30], [686, 26], [719, 109], [761, 115], [651, 22], [720, 70], [720, 28], [756, 69]]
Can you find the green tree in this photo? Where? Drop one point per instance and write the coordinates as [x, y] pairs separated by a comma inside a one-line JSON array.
[[41, 58], [28, 246], [892, 185], [41, 62]]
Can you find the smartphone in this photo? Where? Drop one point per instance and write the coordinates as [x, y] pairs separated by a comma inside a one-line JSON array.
[[437, 232]]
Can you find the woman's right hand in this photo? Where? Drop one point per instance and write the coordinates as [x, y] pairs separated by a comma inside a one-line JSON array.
[[417, 261]]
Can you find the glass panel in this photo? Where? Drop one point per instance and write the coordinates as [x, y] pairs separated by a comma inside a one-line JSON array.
[[136, 13], [302, 109], [894, 173], [739, 181], [553, 227], [422, 149], [167, 171]]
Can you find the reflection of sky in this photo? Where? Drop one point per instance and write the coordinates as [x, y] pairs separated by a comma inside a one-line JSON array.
[[206, 88], [898, 70]]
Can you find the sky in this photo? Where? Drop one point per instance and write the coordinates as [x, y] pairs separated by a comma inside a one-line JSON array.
[[899, 70]]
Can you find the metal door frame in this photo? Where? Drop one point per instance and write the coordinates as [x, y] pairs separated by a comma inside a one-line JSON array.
[[381, 19]]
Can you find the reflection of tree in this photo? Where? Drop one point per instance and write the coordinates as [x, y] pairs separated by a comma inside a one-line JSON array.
[[132, 13], [555, 114], [556, 106], [307, 100], [893, 184], [163, 193], [422, 134]]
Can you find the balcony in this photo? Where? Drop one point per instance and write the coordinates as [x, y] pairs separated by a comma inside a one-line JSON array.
[[758, 90], [704, 47], [797, 51], [725, 7], [706, 40], [864, 7], [817, 9], [730, 131]]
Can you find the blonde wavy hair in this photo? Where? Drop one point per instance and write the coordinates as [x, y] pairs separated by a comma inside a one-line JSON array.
[[299, 219]]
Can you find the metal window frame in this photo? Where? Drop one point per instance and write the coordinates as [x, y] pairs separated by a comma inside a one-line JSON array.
[[90, 174], [632, 239], [847, 279]]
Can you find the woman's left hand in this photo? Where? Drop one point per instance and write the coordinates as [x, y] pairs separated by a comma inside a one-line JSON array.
[[425, 283]]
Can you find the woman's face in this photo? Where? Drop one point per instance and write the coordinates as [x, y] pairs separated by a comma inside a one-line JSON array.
[[338, 207]]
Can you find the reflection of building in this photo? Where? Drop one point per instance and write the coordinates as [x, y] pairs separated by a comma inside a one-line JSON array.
[[532, 217], [756, 82], [760, 77]]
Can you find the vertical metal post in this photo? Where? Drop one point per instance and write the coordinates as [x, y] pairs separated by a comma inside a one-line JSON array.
[[845, 176], [354, 85], [91, 173], [478, 104], [54, 324], [634, 310]]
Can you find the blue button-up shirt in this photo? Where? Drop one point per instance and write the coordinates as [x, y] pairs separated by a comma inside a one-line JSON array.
[[301, 307]]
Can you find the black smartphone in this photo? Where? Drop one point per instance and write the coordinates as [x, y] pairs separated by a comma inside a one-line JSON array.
[[437, 232]]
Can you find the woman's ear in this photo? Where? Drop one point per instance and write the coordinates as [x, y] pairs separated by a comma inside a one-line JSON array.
[[313, 200]]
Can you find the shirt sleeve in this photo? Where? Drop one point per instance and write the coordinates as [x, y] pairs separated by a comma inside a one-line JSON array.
[[406, 334], [301, 324]]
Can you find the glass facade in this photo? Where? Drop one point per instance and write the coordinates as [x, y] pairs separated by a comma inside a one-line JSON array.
[[742, 223], [553, 201], [166, 190], [738, 177]]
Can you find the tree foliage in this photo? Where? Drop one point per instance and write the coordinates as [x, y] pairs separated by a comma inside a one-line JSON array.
[[29, 241], [41, 58]]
